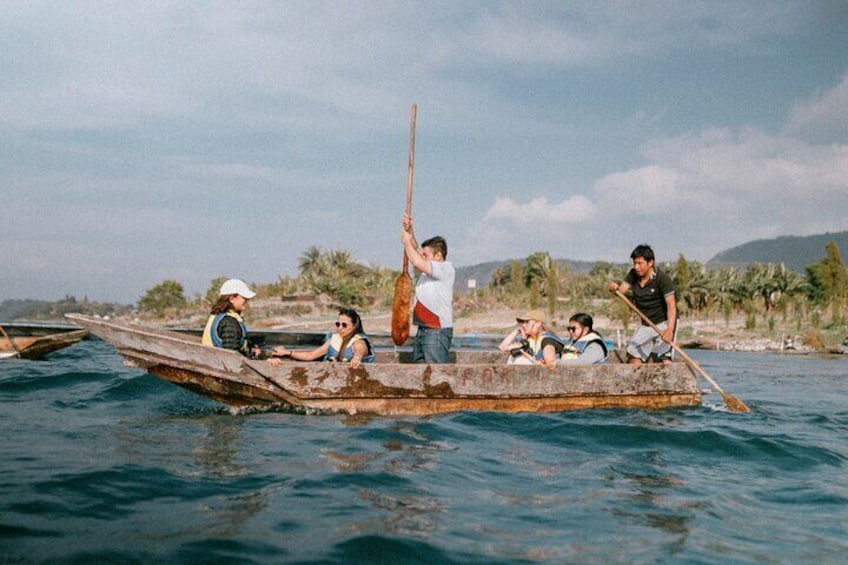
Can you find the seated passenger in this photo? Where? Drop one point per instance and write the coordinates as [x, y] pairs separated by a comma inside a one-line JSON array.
[[225, 327], [349, 343], [587, 345], [530, 343]]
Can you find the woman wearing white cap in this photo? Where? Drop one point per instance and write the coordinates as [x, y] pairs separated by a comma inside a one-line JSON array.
[[225, 327]]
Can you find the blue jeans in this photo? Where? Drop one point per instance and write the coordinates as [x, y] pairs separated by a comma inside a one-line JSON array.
[[432, 345]]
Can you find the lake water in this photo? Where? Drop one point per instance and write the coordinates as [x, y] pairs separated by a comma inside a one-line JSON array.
[[104, 463]]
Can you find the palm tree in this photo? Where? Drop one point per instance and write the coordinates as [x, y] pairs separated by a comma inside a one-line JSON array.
[[340, 262], [538, 266], [766, 281], [309, 263]]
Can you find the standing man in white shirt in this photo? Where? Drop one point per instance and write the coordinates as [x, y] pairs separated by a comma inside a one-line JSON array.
[[433, 310]]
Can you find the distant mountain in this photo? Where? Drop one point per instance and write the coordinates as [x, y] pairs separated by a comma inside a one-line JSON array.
[[796, 252]]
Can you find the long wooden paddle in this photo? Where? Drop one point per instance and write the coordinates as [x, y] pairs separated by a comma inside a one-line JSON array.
[[732, 402], [403, 285], [11, 342]]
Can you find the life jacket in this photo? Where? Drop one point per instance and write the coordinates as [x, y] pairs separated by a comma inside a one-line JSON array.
[[592, 337], [210, 332], [536, 349], [347, 355]]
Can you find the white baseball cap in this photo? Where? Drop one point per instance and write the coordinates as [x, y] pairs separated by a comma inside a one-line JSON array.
[[236, 286]]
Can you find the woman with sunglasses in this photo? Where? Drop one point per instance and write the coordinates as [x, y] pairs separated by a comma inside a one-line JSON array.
[[587, 345], [349, 343]]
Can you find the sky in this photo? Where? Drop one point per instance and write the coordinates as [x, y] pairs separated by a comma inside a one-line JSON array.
[[144, 141]]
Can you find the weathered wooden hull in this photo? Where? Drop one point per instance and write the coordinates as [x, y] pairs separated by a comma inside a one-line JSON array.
[[37, 346], [477, 380]]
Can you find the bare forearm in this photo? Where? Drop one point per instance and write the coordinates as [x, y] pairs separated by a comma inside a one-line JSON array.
[[301, 354], [418, 261], [510, 341]]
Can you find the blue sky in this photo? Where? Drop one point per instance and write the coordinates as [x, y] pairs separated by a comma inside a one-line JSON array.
[[173, 140]]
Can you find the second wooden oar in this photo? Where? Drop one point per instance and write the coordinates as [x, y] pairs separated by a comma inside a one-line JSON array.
[[732, 402], [402, 301], [17, 352]]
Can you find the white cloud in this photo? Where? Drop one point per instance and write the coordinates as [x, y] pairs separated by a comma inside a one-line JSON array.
[[643, 191], [539, 211], [823, 118], [697, 194], [751, 162]]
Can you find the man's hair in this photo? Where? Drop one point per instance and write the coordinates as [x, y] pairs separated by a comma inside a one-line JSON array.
[[437, 245], [644, 251]]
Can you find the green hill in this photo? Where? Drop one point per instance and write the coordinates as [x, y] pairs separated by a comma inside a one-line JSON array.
[[795, 252]]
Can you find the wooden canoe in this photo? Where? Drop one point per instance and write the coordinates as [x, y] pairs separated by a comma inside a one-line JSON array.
[[39, 345], [476, 380]]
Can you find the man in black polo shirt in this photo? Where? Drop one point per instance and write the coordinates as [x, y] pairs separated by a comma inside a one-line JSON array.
[[654, 294]]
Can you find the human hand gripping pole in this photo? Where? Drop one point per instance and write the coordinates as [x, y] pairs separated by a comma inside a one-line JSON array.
[[733, 403], [402, 301]]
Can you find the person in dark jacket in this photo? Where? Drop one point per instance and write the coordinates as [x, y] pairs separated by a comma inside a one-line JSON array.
[[225, 327]]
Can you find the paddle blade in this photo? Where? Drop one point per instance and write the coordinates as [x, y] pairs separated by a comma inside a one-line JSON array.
[[400, 309], [734, 404]]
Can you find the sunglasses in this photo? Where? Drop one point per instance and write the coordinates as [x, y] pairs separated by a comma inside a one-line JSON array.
[[571, 328], [342, 324]]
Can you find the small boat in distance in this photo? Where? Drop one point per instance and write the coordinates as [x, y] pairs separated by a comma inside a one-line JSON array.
[[475, 380], [34, 342]]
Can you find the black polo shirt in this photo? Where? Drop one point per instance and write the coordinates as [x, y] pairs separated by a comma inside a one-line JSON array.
[[650, 299]]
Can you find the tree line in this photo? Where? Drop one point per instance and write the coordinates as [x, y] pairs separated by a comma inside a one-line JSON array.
[[334, 273], [761, 291], [764, 292]]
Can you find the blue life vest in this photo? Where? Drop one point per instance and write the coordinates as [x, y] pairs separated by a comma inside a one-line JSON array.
[[592, 337], [536, 349], [336, 343], [210, 332]]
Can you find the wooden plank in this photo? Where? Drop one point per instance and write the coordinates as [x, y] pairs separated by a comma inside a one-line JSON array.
[[424, 407], [332, 380]]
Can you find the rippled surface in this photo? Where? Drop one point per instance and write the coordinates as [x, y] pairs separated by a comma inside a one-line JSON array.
[[103, 463]]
